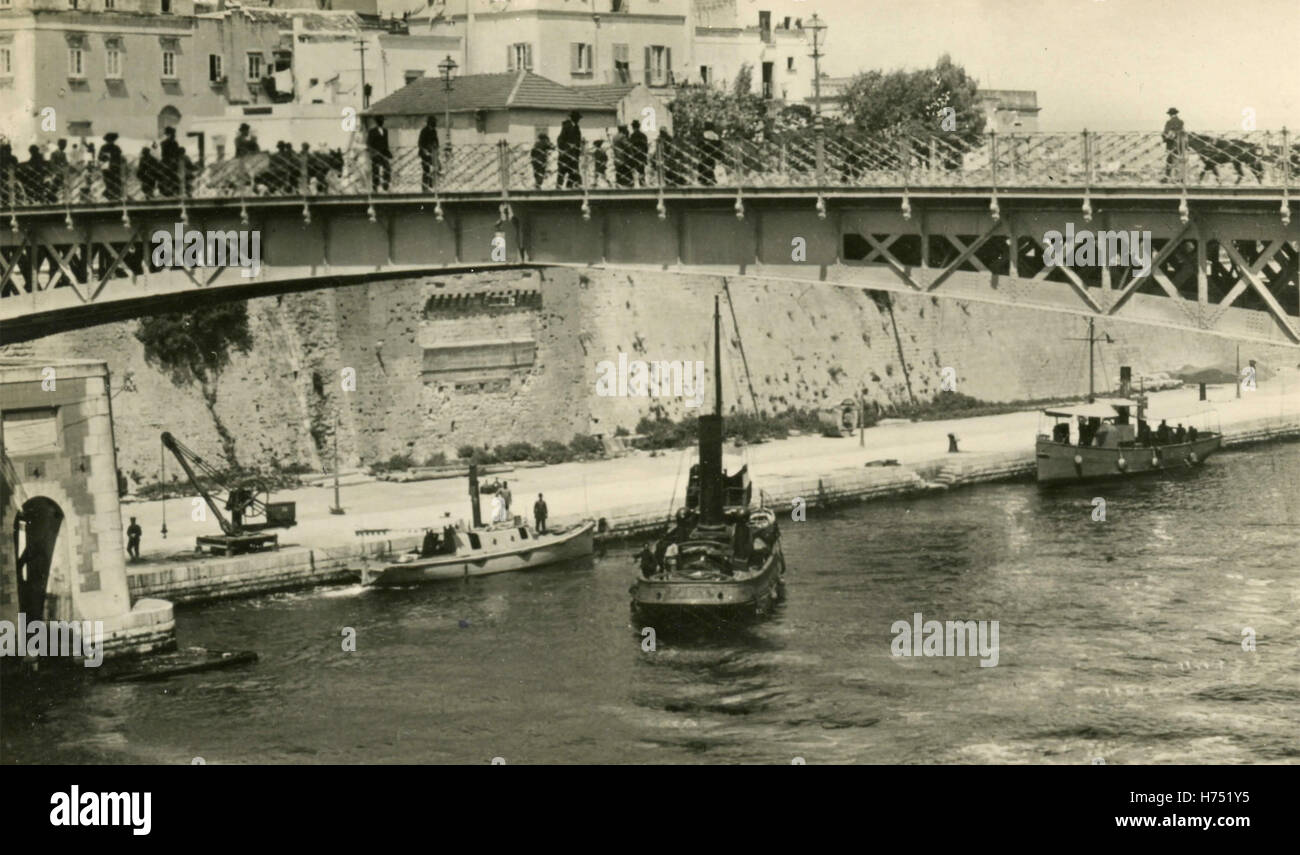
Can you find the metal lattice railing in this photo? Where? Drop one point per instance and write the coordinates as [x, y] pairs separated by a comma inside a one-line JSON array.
[[1080, 160]]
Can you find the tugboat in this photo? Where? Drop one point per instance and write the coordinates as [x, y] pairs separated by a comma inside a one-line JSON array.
[[482, 549], [722, 559]]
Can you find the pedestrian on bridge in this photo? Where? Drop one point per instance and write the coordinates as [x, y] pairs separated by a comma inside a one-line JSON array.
[[599, 163], [110, 157], [622, 157], [381, 156], [35, 174], [710, 147], [569, 146], [8, 173], [428, 145], [245, 142], [640, 152], [1173, 137], [170, 182], [58, 168], [540, 156]]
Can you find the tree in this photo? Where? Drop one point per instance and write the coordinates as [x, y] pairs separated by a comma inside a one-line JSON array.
[[737, 114], [195, 347], [916, 103]]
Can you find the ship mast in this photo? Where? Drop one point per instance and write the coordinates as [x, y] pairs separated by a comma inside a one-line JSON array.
[[711, 486]]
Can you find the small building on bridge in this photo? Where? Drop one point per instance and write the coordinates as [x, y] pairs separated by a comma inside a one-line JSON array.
[[485, 108]]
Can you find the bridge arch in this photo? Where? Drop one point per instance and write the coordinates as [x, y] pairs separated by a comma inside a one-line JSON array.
[[36, 547]]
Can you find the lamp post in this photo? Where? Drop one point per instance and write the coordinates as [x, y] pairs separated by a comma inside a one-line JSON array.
[[448, 68], [816, 24]]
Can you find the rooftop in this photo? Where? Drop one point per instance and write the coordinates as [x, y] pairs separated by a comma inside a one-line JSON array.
[[512, 90]]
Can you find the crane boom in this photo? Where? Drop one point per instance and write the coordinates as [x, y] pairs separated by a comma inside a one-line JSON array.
[[183, 456]]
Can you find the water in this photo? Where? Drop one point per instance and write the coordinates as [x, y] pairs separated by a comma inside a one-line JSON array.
[[1119, 640]]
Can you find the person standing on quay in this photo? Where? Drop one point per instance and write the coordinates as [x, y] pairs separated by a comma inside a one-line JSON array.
[[133, 535], [539, 514]]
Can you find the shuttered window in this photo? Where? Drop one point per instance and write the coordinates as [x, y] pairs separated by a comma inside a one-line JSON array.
[[519, 56], [580, 58], [658, 65], [622, 65]]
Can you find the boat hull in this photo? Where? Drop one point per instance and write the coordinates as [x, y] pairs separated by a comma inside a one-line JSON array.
[[1060, 463], [546, 549], [672, 600]]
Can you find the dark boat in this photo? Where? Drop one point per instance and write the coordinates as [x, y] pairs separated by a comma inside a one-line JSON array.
[[721, 560]]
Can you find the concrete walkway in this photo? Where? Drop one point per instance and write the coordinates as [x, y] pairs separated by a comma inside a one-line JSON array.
[[643, 484]]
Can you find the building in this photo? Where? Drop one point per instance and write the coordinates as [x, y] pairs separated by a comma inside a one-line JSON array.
[[573, 42], [81, 68], [59, 506], [489, 107], [776, 49], [1010, 110], [634, 102]]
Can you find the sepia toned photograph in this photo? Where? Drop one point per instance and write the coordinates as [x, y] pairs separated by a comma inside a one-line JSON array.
[[650, 382]]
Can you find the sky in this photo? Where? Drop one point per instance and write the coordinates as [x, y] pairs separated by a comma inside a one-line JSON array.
[[1105, 65]]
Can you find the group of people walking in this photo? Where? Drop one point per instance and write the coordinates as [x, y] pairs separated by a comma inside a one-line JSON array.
[[84, 174], [629, 152]]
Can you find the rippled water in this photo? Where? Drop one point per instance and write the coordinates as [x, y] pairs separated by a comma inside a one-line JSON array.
[[1119, 639]]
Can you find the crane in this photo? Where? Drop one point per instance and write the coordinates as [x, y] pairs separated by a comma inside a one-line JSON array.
[[250, 515]]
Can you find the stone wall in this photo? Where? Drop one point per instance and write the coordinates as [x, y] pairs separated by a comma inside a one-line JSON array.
[[441, 362]]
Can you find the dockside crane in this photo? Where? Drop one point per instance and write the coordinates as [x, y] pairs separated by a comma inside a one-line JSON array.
[[250, 516]]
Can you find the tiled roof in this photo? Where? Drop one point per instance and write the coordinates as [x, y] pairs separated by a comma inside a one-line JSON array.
[[518, 90], [607, 93]]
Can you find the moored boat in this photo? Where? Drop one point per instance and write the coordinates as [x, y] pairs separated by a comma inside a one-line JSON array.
[[482, 549], [722, 558], [1112, 441]]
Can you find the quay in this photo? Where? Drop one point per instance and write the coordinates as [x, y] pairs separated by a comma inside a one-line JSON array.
[[630, 495]]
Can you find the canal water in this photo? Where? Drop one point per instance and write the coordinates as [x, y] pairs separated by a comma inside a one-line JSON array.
[[1119, 639]]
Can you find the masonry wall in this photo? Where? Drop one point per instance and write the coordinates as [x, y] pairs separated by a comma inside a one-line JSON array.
[[442, 362], [77, 471]]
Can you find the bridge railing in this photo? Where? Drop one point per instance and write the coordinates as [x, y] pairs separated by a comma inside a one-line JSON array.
[[1081, 159]]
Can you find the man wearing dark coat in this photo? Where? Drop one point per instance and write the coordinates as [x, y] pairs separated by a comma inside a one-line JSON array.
[[569, 145], [428, 145], [110, 159], [381, 156], [540, 156], [640, 144], [1173, 137], [58, 169], [170, 182], [245, 142]]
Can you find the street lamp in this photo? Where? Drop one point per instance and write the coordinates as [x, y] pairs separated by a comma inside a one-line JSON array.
[[816, 24], [448, 68]]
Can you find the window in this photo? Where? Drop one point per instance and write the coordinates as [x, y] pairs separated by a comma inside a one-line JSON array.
[[765, 25], [789, 63], [6, 59], [519, 56], [76, 61], [254, 67], [706, 75], [113, 59], [214, 68], [169, 65], [622, 67], [80, 130], [5, 4], [412, 75], [580, 58], [658, 62], [110, 5], [618, 5], [166, 7]]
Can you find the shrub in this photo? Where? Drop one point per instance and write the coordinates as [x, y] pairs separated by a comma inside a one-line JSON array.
[[586, 445]]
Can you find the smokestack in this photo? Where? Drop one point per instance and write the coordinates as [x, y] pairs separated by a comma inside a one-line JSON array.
[[473, 495]]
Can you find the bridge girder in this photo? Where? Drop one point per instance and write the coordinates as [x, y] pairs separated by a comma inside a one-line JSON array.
[[1226, 265]]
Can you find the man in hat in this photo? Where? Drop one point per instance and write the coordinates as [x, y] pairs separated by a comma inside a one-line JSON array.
[[539, 156], [1173, 137], [170, 161], [640, 152], [110, 159], [428, 144], [245, 142], [381, 156], [569, 147], [58, 168]]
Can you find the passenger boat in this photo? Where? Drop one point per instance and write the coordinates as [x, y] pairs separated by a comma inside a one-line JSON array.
[[722, 559], [1114, 441], [482, 549]]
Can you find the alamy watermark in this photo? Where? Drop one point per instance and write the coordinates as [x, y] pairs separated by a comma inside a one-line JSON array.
[[660, 379], [1086, 248], [191, 248], [951, 638], [81, 639]]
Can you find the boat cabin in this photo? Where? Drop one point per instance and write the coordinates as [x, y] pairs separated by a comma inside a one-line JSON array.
[[1107, 423]]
